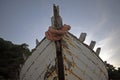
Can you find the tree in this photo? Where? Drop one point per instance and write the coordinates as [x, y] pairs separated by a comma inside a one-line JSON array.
[[114, 74], [11, 57]]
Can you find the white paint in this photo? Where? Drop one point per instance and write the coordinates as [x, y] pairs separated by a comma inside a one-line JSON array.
[[80, 62]]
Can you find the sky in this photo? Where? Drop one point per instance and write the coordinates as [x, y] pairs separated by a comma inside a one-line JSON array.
[[24, 21]]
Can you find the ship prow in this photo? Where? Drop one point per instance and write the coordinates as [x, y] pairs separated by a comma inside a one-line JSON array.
[[80, 62], [62, 56]]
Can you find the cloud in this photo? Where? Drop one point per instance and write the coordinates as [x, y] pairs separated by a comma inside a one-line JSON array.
[[107, 50], [97, 28], [110, 48], [101, 22]]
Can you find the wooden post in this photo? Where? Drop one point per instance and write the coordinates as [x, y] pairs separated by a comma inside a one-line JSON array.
[[57, 24], [82, 37], [92, 44]]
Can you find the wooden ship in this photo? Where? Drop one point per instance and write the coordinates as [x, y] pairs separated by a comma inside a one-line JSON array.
[[62, 56]]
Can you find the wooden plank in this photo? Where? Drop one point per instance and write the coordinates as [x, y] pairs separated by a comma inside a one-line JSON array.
[[60, 64]]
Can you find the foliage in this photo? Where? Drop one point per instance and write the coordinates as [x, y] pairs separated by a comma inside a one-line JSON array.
[[113, 73], [11, 57]]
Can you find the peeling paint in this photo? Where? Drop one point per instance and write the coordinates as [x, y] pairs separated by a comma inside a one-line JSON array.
[[80, 62]]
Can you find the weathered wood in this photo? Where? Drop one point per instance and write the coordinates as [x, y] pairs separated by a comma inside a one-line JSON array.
[[57, 24], [92, 44], [98, 51], [82, 37], [65, 59], [80, 62], [60, 64]]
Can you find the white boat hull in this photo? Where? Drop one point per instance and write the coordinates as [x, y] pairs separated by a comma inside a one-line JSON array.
[[80, 62]]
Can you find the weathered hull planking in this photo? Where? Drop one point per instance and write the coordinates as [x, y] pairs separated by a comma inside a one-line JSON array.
[[80, 62]]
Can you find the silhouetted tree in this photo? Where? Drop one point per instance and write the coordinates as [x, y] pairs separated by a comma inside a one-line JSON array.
[[114, 74], [11, 57]]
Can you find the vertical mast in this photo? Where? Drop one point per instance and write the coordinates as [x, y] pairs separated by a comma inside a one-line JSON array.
[[57, 24]]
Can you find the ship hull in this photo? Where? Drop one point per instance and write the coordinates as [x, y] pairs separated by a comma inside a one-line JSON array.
[[79, 61]]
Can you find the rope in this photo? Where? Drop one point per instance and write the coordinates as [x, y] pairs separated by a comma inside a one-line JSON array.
[[53, 34]]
